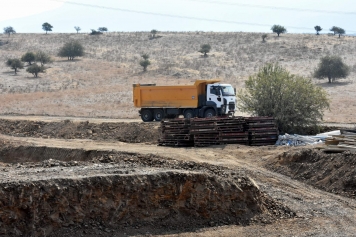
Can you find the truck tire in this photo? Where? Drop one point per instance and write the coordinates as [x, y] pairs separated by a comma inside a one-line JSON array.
[[188, 114], [146, 115], [158, 114], [209, 113]]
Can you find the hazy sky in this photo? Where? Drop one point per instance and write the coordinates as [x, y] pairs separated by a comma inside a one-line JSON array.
[[27, 16]]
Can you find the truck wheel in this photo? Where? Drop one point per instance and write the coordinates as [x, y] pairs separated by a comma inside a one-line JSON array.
[[158, 114], [188, 114], [209, 113], [146, 115]]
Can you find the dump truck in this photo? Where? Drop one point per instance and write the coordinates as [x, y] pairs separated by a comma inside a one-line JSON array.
[[204, 99]]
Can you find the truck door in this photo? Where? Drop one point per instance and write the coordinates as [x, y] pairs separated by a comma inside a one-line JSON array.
[[214, 95]]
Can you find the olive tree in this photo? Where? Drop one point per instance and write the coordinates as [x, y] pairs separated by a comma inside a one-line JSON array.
[[318, 29], [204, 49], [278, 29], [47, 27], [71, 50], [294, 101], [77, 28], [15, 64], [145, 62], [35, 69], [331, 67], [153, 33], [28, 57], [9, 30], [102, 29], [42, 57]]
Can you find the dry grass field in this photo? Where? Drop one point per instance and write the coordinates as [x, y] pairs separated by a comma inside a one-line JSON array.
[[99, 84]]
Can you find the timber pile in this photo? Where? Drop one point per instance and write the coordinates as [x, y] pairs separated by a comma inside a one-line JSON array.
[[346, 141], [201, 132], [262, 131], [176, 132]]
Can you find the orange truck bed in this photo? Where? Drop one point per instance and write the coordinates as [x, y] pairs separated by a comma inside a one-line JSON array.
[[182, 96]]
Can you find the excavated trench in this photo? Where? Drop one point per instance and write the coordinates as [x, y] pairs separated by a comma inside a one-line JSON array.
[[63, 192]]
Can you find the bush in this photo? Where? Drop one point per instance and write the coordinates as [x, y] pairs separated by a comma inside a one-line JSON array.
[[331, 67], [295, 102], [35, 69], [71, 50], [264, 36], [42, 57], [145, 62], [28, 57], [15, 64], [94, 32], [278, 29], [205, 48]]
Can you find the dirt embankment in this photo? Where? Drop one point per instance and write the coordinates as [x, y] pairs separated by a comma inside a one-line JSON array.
[[334, 173], [124, 132], [99, 193]]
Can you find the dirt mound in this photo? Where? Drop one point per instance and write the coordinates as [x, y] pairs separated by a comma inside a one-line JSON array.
[[124, 132], [105, 192], [334, 173]]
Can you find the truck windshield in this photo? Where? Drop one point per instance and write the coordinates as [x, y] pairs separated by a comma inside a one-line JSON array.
[[227, 91]]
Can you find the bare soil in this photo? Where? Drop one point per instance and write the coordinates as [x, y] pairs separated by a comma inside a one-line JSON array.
[[279, 176]]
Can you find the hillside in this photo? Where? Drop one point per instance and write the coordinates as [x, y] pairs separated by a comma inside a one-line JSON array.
[[99, 84]]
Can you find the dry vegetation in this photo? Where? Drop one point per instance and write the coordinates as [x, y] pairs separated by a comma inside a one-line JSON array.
[[99, 84]]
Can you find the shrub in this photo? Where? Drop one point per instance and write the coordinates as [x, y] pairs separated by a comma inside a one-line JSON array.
[[294, 101], [15, 64], [42, 57], [35, 69], [331, 67], [145, 62], [205, 48], [71, 50], [278, 29], [47, 27], [28, 57]]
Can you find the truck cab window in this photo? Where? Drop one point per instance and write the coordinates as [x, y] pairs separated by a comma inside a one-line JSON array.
[[214, 91]]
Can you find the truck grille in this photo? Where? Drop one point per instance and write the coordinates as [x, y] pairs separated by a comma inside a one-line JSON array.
[[232, 107]]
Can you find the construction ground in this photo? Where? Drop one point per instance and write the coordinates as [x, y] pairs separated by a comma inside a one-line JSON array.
[[95, 177]]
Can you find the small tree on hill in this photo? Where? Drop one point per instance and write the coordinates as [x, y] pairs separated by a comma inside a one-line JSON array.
[[278, 29], [334, 29], [28, 57], [331, 67], [47, 27], [35, 69], [318, 29], [340, 31], [15, 64], [102, 29], [294, 101], [71, 50], [94, 32], [77, 28], [264, 36], [153, 33], [42, 57], [9, 30], [205, 48], [145, 62]]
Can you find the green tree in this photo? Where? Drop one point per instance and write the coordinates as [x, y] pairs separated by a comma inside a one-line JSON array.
[[35, 69], [77, 28], [278, 29], [204, 48], [331, 67], [47, 27], [71, 50], [318, 29], [340, 31], [94, 32], [294, 101], [28, 57], [102, 29], [9, 30], [334, 29], [153, 33], [264, 36], [42, 57], [15, 64], [145, 62]]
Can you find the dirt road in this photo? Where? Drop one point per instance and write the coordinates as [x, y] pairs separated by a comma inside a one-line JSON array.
[[318, 213]]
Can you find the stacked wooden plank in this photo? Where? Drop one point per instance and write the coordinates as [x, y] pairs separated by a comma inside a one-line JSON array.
[[262, 131], [175, 132], [204, 131], [346, 141]]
